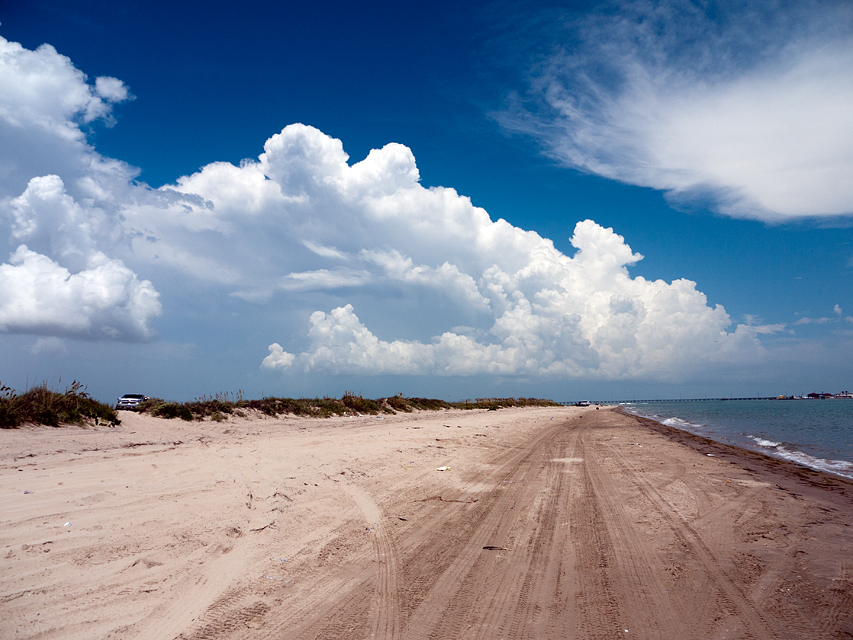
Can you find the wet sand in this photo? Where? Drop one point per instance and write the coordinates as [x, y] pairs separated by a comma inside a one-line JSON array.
[[549, 523]]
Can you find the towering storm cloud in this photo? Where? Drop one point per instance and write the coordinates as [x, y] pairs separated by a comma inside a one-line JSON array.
[[371, 227]]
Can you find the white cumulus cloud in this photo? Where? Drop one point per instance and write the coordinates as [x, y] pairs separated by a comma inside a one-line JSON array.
[[62, 203], [339, 248], [45, 104], [59, 281], [541, 312], [745, 107], [104, 301], [320, 224], [44, 89]]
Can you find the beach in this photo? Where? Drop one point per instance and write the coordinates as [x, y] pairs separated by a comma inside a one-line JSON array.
[[568, 522]]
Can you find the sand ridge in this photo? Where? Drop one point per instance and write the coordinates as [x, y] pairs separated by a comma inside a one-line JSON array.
[[549, 522]]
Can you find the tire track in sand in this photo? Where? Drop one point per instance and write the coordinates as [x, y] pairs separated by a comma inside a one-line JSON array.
[[527, 591], [730, 603], [523, 584], [365, 599], [386, 617], [452, 605], [425, 565]]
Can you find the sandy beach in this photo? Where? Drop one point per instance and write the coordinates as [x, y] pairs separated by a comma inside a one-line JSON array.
[[543, 523]]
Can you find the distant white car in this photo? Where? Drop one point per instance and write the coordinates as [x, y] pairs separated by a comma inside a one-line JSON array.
[[130, 401]]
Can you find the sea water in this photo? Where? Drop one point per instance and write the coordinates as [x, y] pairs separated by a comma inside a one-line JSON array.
[[815, 433]]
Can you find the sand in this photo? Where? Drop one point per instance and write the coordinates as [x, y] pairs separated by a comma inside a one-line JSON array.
[[548, 523]]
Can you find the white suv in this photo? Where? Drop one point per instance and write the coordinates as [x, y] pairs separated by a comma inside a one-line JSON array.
[[130, 401]]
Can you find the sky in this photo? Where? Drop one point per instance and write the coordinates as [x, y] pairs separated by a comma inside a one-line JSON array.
[[607, 200]]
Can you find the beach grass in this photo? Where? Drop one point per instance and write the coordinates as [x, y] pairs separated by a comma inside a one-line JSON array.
[[41, 405], [219, 406], [45, 406]]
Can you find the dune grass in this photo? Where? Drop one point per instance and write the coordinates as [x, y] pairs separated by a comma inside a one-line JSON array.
[[41, 405], [221, 405]]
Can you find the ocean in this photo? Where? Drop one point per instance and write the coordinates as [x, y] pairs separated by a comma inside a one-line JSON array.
[[814, 433]]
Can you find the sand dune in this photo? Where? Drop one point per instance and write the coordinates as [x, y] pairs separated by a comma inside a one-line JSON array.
[[548, 523]]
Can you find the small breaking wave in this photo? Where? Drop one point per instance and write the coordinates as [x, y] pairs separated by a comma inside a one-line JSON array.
[[767, 444], [679, 423], [838, 467]]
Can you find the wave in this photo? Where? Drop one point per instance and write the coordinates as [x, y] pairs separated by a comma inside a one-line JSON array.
[[768, 444], [838, 467], [679, 423]]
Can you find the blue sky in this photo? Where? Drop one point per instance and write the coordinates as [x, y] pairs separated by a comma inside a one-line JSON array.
[[543, 198]]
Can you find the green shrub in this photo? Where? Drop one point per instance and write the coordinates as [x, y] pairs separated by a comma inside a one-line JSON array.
[[493, 404], [169, 410], [398, 403], [428, 404], [362, 405]]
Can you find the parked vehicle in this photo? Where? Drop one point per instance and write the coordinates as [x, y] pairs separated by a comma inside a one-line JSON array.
[[130, 401]]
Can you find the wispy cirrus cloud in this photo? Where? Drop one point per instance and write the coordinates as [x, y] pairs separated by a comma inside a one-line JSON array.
[[742, 107]]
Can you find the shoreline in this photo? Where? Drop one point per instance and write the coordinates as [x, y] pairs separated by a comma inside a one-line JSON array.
[[748, 459], [784, 436], [547, 522]]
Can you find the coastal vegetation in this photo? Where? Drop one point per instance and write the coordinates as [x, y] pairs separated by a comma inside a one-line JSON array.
[[44, 406], [221, 405], [41, 405]]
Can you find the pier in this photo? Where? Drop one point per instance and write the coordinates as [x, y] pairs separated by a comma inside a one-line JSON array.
[[602, 402]]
